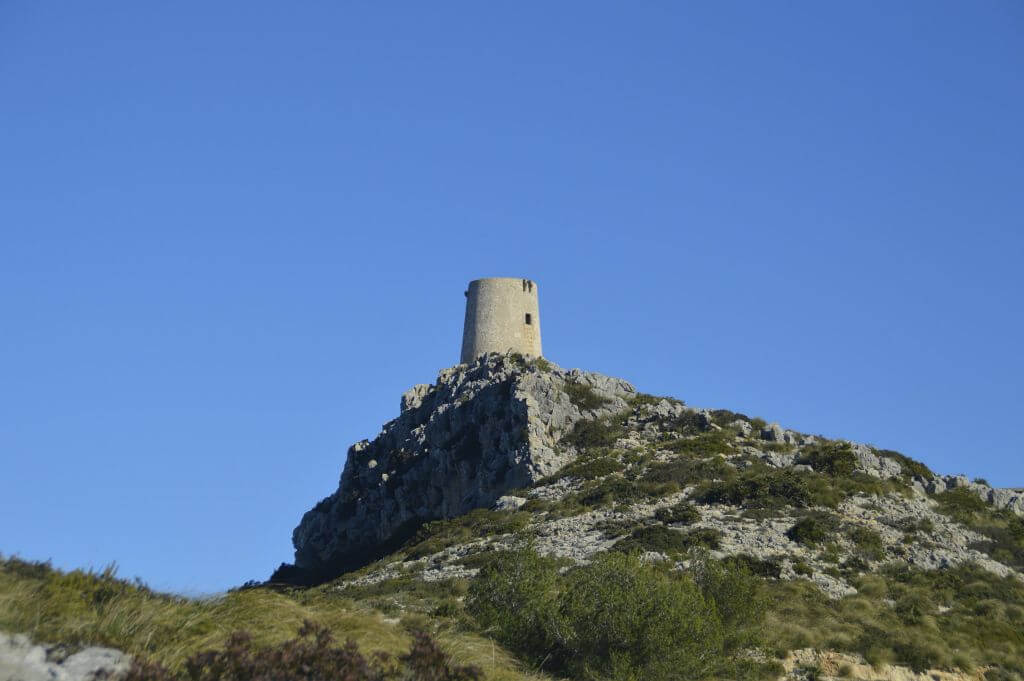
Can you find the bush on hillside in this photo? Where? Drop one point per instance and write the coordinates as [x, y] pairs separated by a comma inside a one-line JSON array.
[[584, 397], [1003, 530], [813, 529], [704, 444], [616, 489], [589, 468], [439, 534], [683, 513], [668, 541], [686, 472], [831, 458], [759, 487], [586, 434], [617, 618], [909, 468]]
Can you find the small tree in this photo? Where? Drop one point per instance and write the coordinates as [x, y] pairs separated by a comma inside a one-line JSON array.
[[630, 621]]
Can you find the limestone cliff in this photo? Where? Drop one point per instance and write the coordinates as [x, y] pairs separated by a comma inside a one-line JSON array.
[[482, 429], [599, 463]]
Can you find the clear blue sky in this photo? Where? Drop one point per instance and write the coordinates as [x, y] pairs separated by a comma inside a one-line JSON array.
[[233, 233]]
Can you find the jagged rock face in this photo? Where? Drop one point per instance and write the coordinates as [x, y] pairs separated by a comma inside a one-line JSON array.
[[482, 429]]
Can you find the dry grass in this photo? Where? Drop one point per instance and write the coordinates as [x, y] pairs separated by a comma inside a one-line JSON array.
[[90, 608]]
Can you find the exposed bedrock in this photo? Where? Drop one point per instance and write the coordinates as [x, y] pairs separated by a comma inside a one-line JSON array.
[[482, 429]]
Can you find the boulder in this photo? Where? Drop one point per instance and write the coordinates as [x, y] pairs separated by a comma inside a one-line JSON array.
[[22, 660]]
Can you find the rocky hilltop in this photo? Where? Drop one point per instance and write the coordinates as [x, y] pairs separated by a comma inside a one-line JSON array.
[[585, 463], [460, 444]]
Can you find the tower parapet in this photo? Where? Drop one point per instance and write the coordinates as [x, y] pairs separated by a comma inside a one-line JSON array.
[[502, 315]]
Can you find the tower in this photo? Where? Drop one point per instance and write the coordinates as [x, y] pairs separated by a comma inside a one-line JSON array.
[[502, 315]]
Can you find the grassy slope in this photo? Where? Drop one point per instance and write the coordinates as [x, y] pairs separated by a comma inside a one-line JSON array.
[[83, 608]]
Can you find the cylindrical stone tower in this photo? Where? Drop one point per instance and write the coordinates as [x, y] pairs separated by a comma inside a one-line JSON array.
[[502, 315]]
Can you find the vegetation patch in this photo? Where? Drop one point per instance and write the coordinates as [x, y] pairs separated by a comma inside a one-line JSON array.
[[685, 472], [668, 541], [962, 617], [541, 364], [703, 444], [584, 397], [589, 433], [1004, 530], [687, 423], [440, 534], [909, 468], [867, 543], [831, 458], [620, 618], [644, 400], [683, 513], [588, 468], [311, 655], [814, 529], [82, 608], [725, 418], [759, 486], [762, 567], [616, 489]]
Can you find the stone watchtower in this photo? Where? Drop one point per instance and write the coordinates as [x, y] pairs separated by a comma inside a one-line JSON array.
[[502, 315]]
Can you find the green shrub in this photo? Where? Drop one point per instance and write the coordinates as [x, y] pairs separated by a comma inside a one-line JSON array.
[[683, 513], [687, 423], [814, 528], [1004, 530], [703, 444], [584, 397], [961, 504], [438, 535], [629, 621], [738, 597], [762, 567], [644, 399], [589, 468], [867, 542], [724, 417], [908, 467], [621, 618], [758, 487], [666, 540], [515, 597], [831, 458], [616, 489], [541, 364], [600, 433], [802, 568], [687, 472]]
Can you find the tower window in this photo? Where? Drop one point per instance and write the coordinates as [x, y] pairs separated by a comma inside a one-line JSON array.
[[529, 319]]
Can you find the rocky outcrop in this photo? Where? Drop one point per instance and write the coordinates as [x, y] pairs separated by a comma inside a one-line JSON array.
[[1009, 498], [21, 660], [482, 429]]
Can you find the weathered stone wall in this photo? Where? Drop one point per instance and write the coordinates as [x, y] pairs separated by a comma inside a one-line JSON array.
[[496, 314]]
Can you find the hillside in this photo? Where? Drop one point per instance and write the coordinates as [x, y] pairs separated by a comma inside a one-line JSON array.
[[547, 523], [863, 550]]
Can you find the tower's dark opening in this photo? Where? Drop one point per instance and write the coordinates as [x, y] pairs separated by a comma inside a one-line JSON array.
[[529, 319]]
